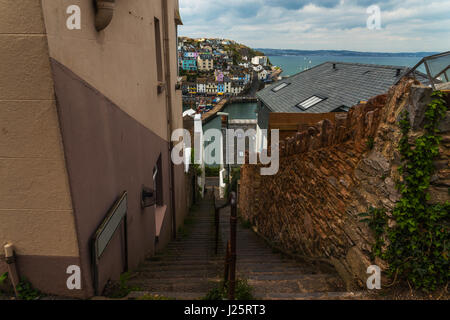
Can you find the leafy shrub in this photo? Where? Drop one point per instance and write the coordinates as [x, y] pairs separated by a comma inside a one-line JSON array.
[[121, 288], [212, 171], [370, 142], [26, 291], [243, 291]]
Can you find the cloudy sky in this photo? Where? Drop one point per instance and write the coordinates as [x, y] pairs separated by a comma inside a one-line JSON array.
[[406, 25]]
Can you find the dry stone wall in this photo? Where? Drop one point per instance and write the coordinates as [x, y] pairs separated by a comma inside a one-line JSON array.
[[331, 173]]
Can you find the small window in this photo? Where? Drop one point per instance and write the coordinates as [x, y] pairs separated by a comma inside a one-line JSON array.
[[158, 46], [280, 86], [308, 103], [158, 182]]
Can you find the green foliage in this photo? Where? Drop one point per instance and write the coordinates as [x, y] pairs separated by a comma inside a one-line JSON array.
[[245, 223], [154, 297], [377, 221], [3, 278], [243, 291], [122, 288], [235, 176], [215, 294], [185, 229], [26, 291], [417, 249], [212, 171], [370, 142], [196, 167]]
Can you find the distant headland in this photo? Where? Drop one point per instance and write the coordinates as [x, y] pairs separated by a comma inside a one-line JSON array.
[[347, 53]]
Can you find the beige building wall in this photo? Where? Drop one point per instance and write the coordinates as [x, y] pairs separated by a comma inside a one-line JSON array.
[[35, 205], [205, 65], [125, 47]]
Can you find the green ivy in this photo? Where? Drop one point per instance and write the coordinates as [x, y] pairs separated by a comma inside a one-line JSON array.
[[3, 277], [417, 244], [377, 221], [26, 291], [370, 142]]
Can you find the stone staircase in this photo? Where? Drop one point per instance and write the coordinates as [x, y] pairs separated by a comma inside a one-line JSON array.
[[188, 268]]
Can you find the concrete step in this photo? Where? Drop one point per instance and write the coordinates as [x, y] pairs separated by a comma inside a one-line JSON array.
[[176, 255], [183, 262], [164, 266], [176, 274], [176, 285], [280, 276], [136, 295], [315, 296], [316, 283], [266, 265]]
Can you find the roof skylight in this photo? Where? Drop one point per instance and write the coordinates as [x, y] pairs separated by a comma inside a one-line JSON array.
[[308, 103], [280, 86]]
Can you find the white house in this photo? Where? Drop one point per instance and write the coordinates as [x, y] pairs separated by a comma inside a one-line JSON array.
[[258, 68], [262, 60], [227, 85], [211, 87], [236, 88], [201, 86], [263, 74]]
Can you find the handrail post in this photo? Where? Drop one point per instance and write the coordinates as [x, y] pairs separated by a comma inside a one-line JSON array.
[[233, 224], [227, 264], [216, 221]]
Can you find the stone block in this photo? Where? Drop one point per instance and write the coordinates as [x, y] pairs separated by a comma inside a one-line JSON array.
[[358, 264], [420, 98], [444, 126]]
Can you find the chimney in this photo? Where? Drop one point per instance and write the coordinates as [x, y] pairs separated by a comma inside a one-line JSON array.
[[398, 72], [334, 66]]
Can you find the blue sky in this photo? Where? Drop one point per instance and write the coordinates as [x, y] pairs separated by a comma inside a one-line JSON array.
[[406, 25]]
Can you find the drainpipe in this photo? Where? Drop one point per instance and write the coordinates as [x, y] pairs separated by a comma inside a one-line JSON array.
[[10, 258], [104, 13], [168, 80]]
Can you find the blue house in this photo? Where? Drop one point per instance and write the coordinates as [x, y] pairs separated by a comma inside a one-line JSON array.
[[189, 65], [220, 88]]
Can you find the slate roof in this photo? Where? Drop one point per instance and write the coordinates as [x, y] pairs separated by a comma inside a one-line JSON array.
[[342, 87]]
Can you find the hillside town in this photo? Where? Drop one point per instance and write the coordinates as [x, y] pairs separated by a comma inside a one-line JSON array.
[[211, 69]]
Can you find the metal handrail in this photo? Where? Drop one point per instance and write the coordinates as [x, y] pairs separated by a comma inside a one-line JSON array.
[[230, 254], [217, 220]]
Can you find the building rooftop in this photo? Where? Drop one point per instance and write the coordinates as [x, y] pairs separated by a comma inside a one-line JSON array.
[[332, 86]]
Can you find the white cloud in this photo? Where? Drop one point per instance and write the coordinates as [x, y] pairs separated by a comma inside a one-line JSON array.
[[407, 25]]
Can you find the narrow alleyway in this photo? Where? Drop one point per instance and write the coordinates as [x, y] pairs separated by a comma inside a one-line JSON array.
[[188, 268]]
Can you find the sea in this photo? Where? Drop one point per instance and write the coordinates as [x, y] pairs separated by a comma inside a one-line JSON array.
[[294, 64], [235, 111]]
